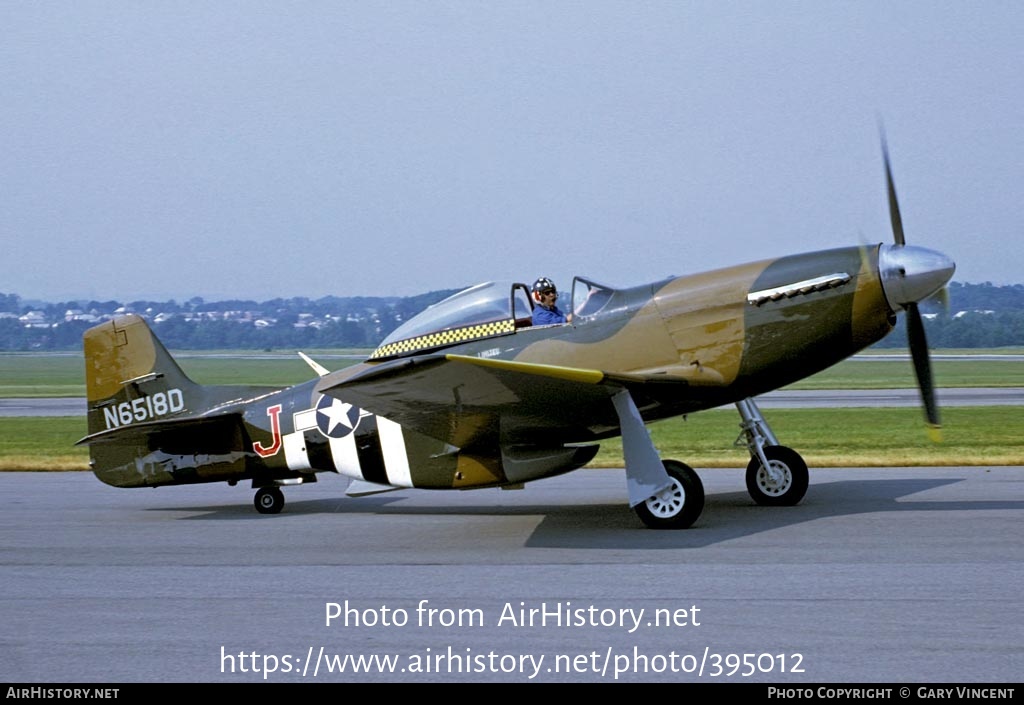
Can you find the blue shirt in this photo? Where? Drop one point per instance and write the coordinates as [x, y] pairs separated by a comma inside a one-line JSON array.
[[543, 315]]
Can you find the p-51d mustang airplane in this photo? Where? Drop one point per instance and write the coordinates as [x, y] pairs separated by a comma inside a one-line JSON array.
[[469, 394]]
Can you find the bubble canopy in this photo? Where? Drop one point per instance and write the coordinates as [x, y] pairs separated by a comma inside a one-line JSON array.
[[483, 310]]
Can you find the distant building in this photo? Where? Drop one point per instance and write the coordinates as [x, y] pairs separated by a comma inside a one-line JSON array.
[[34, 319]]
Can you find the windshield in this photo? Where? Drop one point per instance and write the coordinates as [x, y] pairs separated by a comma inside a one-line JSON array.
[[588, 297]]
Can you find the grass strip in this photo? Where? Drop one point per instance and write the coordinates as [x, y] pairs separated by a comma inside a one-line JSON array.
[[842, 437]]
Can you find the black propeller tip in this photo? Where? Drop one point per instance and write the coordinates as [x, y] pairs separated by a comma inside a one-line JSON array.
[[923, 370]]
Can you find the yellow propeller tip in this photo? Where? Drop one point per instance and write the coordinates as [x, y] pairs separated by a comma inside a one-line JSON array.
[[935, 433]]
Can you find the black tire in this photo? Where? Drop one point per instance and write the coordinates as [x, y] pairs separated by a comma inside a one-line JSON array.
[[269, 500], [678, 506], [790, 486]]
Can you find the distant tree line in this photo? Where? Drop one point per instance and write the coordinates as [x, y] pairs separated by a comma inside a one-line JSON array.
[[972, 330], [295, 323], [978, 316]]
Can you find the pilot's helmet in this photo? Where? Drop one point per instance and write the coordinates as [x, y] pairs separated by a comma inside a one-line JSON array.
[[543, 285]]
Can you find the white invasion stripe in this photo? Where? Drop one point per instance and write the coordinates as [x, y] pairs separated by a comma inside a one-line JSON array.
[[295, 451], [392, 447], [346, 459], [304, 420]]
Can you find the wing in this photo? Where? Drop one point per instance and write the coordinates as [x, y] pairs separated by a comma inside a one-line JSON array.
[[473, 401]]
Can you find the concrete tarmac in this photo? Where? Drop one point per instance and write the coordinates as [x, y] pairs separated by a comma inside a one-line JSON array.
[[887, 575]]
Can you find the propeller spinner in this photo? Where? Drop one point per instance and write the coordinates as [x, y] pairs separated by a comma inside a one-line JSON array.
[[911, 274]]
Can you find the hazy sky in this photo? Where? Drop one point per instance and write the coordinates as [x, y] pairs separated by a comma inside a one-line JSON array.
[[163, 150]]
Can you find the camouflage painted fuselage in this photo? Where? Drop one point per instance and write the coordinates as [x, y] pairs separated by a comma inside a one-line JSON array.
[[418, 414]]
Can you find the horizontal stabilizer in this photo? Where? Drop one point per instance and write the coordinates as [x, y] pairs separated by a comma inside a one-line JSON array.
[[136, 432]]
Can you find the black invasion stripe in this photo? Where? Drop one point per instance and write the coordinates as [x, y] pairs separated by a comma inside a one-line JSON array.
[[371, 457], [318, 451]]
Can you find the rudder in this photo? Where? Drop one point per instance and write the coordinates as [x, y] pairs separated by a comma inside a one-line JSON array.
[[129, 375]]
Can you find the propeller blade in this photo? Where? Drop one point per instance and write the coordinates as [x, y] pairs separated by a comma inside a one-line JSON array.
[[894, 206], [923, 370]]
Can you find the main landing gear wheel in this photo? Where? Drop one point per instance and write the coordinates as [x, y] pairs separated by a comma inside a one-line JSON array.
[[677, 506], [269, 500], [783, 484]]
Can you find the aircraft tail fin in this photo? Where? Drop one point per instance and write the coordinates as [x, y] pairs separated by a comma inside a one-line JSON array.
[[149, 423], [130, 377]]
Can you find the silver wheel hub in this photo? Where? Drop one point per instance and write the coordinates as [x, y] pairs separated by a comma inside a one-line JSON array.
[[774, 480], [668, 502]]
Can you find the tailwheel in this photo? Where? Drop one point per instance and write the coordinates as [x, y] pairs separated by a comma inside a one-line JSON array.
[[269, 500], [783, 483], [677, 506]]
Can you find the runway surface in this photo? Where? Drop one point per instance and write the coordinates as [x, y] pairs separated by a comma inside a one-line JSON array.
[[984, 396], [888, 575]]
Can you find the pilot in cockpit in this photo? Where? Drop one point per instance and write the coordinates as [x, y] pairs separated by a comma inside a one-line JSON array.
[[546, 311]]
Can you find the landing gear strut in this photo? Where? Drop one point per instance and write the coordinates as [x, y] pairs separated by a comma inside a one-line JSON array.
[[665, 494], [776, 475]]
